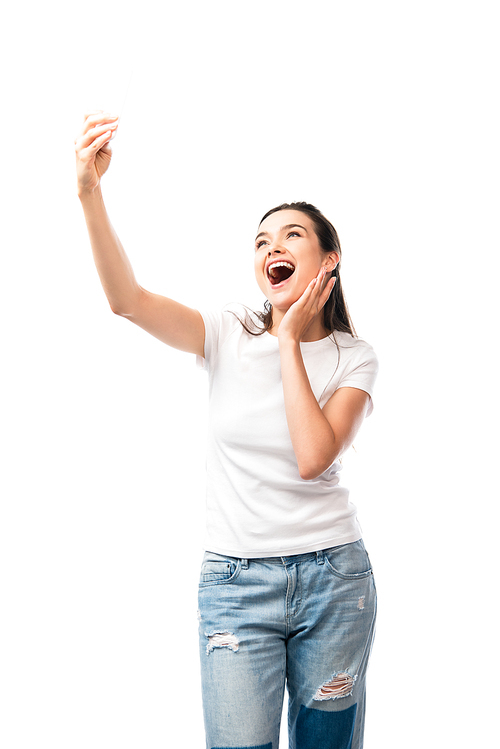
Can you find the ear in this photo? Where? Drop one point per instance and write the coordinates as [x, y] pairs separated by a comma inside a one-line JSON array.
[[332, 261]]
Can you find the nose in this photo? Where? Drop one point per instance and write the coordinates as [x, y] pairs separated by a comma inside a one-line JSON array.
[[273, 250]]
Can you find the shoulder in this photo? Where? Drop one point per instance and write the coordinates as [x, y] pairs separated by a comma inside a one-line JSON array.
[[228, 318], [347, 341], [353, 348], [225, 325]]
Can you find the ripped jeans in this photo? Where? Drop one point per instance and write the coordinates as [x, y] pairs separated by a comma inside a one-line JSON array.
[[307, 621]]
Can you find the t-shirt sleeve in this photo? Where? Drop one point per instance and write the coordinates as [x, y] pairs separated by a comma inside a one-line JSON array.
[[212, 322], [218, 325], [362, 373]]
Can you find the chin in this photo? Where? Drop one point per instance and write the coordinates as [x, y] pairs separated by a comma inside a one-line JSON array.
[[289, 293], [283, 301]]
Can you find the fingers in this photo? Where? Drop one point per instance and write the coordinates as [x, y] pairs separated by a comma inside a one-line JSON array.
[[325, 288], [86, 149], [95, 134], [96, 144], [95, 125], [319, 289], [316, 293], [323, 282], [93, 119]]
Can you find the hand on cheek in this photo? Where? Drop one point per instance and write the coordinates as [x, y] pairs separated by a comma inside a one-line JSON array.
[[301, 315]]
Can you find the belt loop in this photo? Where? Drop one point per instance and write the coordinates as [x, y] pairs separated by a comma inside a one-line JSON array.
[[244, 564], [320, 557]]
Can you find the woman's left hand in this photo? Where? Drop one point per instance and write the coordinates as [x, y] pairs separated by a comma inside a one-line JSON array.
[[301, 314]]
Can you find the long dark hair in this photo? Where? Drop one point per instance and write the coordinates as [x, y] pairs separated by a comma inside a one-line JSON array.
[[335, 313]]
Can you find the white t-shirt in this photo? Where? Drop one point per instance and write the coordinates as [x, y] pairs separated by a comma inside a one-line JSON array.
[[257, 503]]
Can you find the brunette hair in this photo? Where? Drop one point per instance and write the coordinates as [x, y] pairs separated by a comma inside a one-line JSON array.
[[335, 313]]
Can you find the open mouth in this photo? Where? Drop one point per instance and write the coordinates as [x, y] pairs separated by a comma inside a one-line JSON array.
[[279, 272]]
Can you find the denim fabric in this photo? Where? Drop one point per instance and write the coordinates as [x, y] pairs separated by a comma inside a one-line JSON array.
[[307, 621]]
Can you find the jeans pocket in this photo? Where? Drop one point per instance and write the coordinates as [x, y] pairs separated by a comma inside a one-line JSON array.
[[349, 561], [217, 570]]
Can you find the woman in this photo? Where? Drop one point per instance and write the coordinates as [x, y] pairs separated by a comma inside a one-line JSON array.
[[286, 588]]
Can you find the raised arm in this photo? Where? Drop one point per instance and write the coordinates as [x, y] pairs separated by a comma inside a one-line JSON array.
[[175, 324]]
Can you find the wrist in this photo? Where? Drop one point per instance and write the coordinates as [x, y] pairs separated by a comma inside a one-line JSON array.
[[287, 341], [89, 195], [86, 182]]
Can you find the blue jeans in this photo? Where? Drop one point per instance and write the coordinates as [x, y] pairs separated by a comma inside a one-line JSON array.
[[307, 621]]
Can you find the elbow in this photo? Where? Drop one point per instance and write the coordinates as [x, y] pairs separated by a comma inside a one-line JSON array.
[[126, 305], [120, 310], [308, 473], [313, 469], [115, 306]]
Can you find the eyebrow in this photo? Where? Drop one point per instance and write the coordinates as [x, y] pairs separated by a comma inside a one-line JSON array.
[[287, 226]]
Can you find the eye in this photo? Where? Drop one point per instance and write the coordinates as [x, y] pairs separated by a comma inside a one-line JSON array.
[[290, 234], [259, 244]]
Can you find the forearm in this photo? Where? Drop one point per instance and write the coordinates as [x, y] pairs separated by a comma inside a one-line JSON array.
[[113, 265], [312, 436]]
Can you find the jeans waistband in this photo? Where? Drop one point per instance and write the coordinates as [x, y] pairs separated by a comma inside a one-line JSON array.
[[317, 555]]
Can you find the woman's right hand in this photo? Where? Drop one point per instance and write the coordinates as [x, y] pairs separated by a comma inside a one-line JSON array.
[[93, 153]]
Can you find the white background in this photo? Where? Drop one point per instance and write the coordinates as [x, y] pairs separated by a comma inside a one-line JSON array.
[[385, 115]]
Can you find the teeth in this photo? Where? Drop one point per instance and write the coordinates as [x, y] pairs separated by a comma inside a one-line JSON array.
[[281, 263]]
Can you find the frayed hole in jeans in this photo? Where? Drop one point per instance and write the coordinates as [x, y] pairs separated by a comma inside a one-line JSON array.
[[340, 686], [222, 640]]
